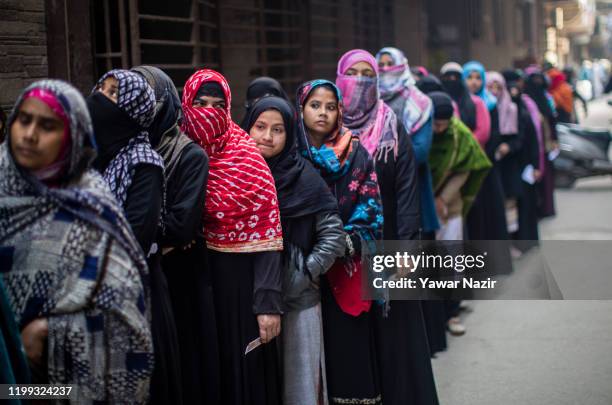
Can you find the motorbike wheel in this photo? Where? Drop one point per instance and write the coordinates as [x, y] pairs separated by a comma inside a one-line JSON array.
[[564, 180]]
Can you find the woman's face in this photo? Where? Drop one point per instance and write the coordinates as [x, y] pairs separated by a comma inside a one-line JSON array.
[[361, 69], [110, 88], [269, 133], [474, 82], [440, 126], [36, 135], [385, 61], [495, 89], [320, 111], [210, 102]]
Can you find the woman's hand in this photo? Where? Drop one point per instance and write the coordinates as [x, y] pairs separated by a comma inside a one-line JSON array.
[[502, 150], [269, 327], [34, 338], [537, 175], [441, 209]]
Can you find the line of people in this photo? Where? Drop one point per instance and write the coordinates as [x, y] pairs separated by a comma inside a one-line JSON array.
[[154, 251]]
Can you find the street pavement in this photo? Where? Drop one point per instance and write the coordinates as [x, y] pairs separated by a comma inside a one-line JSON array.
[[540, 352]]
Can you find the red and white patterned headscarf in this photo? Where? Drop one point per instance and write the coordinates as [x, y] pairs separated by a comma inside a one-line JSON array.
[[241, 209]]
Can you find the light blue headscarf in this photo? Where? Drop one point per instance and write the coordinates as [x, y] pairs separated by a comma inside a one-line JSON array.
[[483, 93]]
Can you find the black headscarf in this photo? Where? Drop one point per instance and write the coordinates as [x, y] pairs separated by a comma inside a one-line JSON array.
[[443, 105], [258, 88], [429, 84], [210, 89], [164, 133], [167, 101], [511, 76], [301, 190], [537, 91], [460, 93]]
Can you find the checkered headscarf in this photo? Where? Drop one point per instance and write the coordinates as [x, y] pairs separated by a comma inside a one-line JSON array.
[[135, 97]]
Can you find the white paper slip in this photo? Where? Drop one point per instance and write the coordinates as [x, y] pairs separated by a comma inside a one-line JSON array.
[[552, 155], [528, 175], [253, 345]]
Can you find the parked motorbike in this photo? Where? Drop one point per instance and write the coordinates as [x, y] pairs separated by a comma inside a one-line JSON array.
[[583, 152]]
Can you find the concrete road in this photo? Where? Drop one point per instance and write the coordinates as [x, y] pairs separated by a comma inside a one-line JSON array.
[[540, 352]]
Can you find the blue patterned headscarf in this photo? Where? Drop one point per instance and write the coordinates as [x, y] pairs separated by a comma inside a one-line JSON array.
[[137, 99], [483, 93]]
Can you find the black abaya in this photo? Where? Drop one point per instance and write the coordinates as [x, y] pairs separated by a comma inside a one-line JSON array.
[[188, 274], [402, 349], [246, 284], [527, 202], [486, 220], [434, 314], [142, 209]]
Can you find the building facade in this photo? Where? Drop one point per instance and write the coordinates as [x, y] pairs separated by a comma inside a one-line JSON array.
[[291, 40]]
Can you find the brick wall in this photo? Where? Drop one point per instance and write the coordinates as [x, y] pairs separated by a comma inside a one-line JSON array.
[[23, 47]]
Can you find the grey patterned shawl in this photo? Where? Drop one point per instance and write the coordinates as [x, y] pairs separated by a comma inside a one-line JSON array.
[[68, 254]]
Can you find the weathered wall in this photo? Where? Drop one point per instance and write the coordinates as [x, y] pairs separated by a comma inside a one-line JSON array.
[[23, 47]]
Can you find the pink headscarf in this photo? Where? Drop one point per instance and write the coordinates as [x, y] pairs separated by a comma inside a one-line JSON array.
[[355, 56], [507, 110], [55, 169], [365, 113]]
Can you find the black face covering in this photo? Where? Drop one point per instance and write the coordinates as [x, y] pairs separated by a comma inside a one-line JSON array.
[[113, 128], [455, 87], [459, 92]]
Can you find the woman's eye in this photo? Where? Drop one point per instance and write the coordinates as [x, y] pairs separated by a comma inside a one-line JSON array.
[[278, 130], [314, 106], [24, 119], [331, 108], [48, 126]]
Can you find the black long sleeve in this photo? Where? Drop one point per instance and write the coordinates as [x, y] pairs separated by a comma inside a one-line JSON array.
[[515, 142], [406, 189], [531, 147], [267, 283], [185, 197], [143, 203]]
